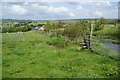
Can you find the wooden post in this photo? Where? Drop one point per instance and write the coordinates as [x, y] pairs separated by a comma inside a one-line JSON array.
[[88, 45], [90, 37], [84, 33], [91, 32], [84, 36]]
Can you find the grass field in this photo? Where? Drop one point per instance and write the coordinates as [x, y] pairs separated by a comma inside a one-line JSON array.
[[109, 31], [30, 56]]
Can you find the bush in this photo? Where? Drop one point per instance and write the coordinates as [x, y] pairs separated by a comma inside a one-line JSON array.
[[56, 41], [98, 26], [71, 32], [29, 27], [74, 31]]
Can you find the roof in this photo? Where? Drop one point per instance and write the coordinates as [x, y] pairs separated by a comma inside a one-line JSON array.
[[36, 28]]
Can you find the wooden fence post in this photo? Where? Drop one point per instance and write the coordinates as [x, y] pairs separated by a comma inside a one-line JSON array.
[[90, 37]]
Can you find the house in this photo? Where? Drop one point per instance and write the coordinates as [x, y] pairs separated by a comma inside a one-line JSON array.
[[41, 27], [35, 28]]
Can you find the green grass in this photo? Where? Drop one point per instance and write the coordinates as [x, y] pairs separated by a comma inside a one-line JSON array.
[[34, 58], [108, 32]]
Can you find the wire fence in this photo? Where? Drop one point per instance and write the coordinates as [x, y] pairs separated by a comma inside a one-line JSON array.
[[105, 47]]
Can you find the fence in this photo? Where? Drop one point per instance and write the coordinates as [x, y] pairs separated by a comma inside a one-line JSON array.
[[104, 46]]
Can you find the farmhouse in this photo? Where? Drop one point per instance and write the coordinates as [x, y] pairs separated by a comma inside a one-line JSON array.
[[40, 27]]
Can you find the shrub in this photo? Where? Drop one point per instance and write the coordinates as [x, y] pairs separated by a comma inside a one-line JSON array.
[[56, 41], [98, 26], [71, 32]]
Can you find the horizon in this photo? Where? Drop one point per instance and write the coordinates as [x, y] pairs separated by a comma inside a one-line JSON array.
[[57, 19]]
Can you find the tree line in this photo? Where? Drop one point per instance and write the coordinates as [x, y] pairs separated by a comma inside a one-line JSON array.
[[73, 31], [20, 26]]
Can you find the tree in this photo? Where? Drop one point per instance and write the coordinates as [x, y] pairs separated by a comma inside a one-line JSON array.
[[24, 29], [60, 24], [71, 32], [48, 26], [102, 20], [29, 27], [99, 24], [74, 31], [40, 24], [115, 23], [17, 29], [4, 30], [16, 25]]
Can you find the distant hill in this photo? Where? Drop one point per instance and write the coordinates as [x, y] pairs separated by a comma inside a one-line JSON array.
[[13, 20], [16, 20]]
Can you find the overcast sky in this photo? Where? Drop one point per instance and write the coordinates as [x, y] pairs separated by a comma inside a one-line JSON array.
[[64, 10]]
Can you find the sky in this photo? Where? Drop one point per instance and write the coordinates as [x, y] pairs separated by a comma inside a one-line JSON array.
[[58, 10]]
